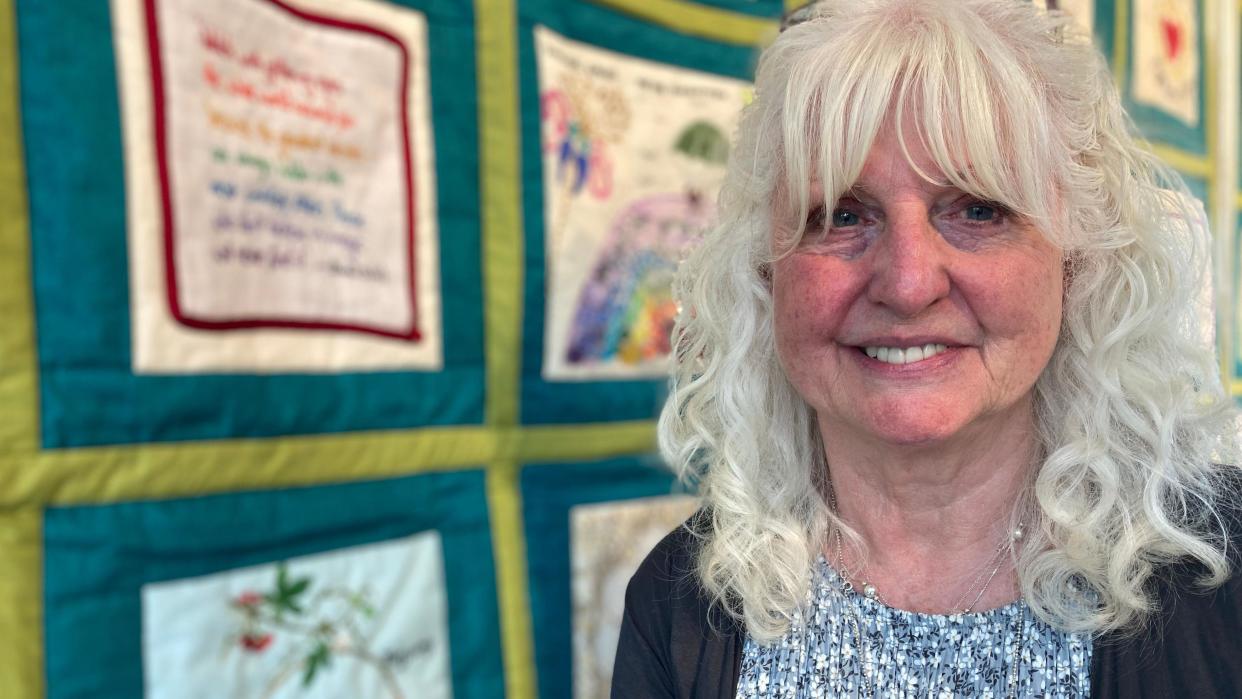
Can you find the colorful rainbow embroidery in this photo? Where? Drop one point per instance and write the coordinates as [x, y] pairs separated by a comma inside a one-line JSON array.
[[625, 310]]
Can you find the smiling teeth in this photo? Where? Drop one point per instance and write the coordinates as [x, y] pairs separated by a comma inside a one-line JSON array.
[[907, 355]]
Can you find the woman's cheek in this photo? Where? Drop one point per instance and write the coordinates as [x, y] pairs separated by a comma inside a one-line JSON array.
[[804, 317]]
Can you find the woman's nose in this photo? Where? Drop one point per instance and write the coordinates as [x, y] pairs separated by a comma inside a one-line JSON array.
[[910, 265]]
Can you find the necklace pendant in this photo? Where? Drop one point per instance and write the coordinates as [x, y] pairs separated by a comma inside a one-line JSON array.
[[869, 591]]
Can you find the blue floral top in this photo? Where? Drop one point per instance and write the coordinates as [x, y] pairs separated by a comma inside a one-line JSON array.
[[912, 654]]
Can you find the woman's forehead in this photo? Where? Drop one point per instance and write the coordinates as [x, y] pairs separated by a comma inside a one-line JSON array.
[[892, 156]]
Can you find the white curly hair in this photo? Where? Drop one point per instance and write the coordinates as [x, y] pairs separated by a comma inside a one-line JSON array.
[[1015, 106]]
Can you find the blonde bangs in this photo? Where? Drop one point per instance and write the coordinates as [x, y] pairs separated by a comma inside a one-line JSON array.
[[977, 113]]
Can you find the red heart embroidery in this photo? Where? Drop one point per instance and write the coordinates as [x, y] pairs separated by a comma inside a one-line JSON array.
[[1172, 37]]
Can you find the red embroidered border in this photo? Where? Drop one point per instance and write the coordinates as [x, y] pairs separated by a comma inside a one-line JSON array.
[[161, 144]]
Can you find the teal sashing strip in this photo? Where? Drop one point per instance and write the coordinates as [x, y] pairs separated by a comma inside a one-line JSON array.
[[767, 9], [544, 402], [98, 557], [548, 494], [1158, 125], [1105, 29], [88, 392]]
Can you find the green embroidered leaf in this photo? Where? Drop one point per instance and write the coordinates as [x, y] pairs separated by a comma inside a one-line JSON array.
[[318, 659], [285, 597], [298, 587], [359, 602]]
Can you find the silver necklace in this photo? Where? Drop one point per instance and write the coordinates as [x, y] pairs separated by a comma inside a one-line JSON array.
[[867, 661], [999, 559], [869, 591]]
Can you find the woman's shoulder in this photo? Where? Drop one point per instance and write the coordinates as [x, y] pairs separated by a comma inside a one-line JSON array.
[[667, 577], [674, 641], [1190, 645], [1186, 581]]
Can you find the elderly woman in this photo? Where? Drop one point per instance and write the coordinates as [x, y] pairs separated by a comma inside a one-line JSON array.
[[941, 385]]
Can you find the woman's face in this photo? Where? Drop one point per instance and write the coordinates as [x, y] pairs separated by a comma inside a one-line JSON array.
[[914, 313]]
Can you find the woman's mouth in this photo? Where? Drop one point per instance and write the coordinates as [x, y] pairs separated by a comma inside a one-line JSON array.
[[904, 355]]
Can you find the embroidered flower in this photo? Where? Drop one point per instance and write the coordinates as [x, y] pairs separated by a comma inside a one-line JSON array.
[[256, 642], [248, 600]]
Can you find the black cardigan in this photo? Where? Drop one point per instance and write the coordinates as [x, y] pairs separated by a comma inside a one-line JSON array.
[[675, 644]]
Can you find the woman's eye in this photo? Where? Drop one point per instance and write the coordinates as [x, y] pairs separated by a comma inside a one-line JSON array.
[[842, 218], [983, 213]]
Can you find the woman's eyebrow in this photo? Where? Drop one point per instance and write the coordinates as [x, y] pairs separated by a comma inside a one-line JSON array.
[[860, 192], [863, 193]]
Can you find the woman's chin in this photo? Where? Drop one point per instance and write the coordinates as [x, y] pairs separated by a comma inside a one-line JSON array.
[[908, 424]]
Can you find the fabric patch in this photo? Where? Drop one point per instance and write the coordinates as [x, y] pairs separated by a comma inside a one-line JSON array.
[[89, 393], [553, 496], [367, 621], [608, 542], [392, 565], [279, 181], [1165, 68], [605, 27], [633, 154]]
